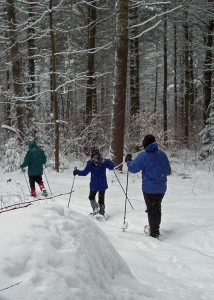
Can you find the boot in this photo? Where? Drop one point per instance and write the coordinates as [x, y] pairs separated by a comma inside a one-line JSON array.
[[43, 189], [41, 185], [33, 192], [102, 209], [94, 206]]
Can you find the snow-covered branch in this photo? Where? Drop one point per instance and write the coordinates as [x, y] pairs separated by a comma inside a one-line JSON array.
[[147, 30], [11, 129], [156, 16], [11, 286]]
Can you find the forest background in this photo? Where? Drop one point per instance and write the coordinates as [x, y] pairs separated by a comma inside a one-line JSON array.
[[81, 73]]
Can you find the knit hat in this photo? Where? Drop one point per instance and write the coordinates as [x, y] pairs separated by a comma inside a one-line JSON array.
[[148, 139], [32, 145], [94, 151], [96, 158]]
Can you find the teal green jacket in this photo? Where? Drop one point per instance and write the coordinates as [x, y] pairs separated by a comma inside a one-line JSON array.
[[34, 160]]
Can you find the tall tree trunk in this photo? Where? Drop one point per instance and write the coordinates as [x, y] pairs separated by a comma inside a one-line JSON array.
[[31, 49], [16, 64], [91, 105], [165, 83], [156, 83], [181, 93], [31, 62], [134, 62], [53, 87], [186, 80], [191, 76], [8, 106], [175, 80], [118, 122], [208, 71]]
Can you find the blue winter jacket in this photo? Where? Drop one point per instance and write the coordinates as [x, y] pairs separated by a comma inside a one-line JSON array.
[[34, 159], [98, 174], [155, 167]]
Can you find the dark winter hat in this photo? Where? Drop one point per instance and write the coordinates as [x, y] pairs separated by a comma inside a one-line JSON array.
[[96, 158], [94, 151], [32, 145], [148, 139]]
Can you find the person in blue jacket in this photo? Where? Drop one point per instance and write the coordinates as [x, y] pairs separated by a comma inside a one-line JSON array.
[[34, 160], [97, 166], [155, 168]]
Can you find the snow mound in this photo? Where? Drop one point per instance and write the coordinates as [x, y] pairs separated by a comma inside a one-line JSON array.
[[48, 252]]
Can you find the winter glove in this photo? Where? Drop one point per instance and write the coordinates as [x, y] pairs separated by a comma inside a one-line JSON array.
[[128, 157], [75, 171], [23, 170]]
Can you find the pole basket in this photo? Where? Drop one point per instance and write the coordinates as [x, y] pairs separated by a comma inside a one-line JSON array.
[[125, 226]]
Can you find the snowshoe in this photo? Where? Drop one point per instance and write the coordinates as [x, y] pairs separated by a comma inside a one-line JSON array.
[[44, 192], [94, 206], [94, 213], [99, 217], [102, 210], [147, 230]]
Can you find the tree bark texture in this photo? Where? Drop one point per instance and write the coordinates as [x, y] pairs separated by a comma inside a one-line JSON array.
[[165, 124], [31, 50], [191, 76], [118, 122], [91, 105], [186, 81], [208, 67], [16, 64], [53, 87], [175, 80], [156, 84], [134, 62]]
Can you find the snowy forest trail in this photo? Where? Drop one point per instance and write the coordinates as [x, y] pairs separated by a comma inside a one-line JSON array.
[[180, 264], [182, 260]]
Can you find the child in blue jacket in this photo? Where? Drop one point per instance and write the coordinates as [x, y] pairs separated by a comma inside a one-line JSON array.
[[155, 168], [97, 166]]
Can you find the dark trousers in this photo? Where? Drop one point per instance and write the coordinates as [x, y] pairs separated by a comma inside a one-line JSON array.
[[33, 179], [101, 196], [153, 204]]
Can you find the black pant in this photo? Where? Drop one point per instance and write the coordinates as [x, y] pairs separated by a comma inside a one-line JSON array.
[[33, 179], [153, 204], [101, 197]]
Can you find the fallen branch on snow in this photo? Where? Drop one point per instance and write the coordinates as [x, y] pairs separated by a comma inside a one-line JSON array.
[[11, 286]]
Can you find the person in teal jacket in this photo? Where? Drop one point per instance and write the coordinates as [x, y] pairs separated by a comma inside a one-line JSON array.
[[34, 160]]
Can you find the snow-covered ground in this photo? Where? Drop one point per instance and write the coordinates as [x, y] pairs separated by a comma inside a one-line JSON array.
[[51, 251]]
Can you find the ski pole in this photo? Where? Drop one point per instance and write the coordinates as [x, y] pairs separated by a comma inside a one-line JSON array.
[[125, 224], [26, 179], [47, 181], [71, 192], [123, 189]]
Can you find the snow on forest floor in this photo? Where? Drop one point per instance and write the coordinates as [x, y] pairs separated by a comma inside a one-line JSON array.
[[50, 250]]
